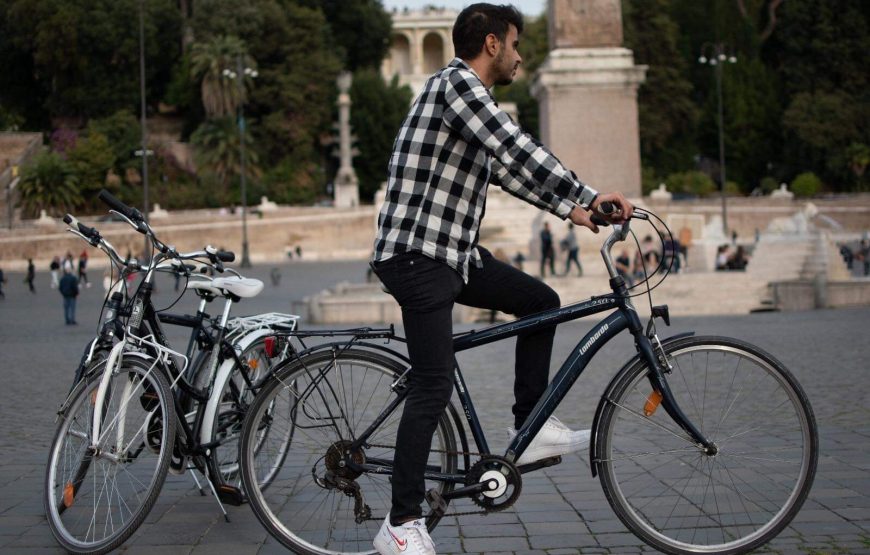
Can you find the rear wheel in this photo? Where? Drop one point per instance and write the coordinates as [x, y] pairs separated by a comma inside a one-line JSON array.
[[96, 496], [307, 417], [681, 499]]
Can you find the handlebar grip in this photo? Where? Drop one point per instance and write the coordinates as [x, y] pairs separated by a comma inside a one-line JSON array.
[[607, 208], [599, 221], [89, 232], [225, 256], [115, 204]]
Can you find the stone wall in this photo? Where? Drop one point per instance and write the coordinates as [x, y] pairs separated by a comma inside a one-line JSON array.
[[320, 233], [329, 233]]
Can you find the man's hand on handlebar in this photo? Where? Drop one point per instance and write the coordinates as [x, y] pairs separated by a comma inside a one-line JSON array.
[[623, 212]]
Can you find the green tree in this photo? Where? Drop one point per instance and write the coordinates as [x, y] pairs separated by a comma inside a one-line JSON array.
[[292, 101], [666, 113], [209, 63], [819, 51], [48, 183], [216, 148], [820, 127], [124, 136], [361, 28], [79, 59], [91, 159], [376, 115]]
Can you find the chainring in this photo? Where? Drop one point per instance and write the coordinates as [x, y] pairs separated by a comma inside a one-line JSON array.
[[511, 482]]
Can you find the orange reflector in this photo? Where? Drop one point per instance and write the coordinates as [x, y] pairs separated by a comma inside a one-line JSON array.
[[652, 403], [68, 494], [253, 363], [94, 398]]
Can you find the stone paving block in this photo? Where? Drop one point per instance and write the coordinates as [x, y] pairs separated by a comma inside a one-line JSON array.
[[554, 516], [576, 541], [228, 548], [158, 550], [547, 528], [492, 530], [486, 545]]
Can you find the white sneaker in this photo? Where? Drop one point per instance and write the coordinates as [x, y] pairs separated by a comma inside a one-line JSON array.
[[554, 439], [410, 538]]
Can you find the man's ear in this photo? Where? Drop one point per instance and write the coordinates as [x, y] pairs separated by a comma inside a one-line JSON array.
[[491, 44]]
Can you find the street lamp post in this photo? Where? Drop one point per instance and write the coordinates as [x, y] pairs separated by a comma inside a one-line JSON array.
[[716, 55], [144, 148], [239, 75]]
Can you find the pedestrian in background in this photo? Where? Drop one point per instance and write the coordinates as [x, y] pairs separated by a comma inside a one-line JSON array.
[[569, 243], [31, 275], [83, 269], [2, 281], [54, 267], [548, 253], [69, 288]]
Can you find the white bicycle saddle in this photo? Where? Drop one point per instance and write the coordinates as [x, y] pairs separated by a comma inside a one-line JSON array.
[[204, 285], [239, 286]]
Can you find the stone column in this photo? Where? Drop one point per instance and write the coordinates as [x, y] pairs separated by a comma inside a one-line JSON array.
[[587, 90], [346, 182]]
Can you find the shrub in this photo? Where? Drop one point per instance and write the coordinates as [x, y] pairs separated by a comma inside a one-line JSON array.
[[691, 182], [806, 184]]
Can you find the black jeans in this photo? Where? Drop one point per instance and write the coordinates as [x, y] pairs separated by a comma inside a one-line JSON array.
[[426, 290]]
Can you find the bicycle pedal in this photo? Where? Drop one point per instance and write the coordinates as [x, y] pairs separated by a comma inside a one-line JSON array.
[[537, 465], [436, 502], [230, 495]]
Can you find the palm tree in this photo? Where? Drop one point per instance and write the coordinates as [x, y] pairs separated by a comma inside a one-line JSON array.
[[221, 94], [216, 150], [49, 183]]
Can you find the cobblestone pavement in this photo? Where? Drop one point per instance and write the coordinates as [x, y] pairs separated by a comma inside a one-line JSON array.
[[562, 509]]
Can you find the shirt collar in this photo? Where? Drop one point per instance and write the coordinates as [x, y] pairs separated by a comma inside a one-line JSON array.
[[460, 63]]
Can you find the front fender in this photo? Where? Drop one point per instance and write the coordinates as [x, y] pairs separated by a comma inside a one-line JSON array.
[[593, 458]]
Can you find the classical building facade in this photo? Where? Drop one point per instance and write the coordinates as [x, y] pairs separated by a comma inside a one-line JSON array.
[[421, 45]]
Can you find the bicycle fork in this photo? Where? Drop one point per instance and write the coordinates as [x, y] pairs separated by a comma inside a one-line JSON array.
[[662, 394]]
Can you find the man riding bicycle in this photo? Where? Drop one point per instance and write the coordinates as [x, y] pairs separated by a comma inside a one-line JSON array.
[[454, 141]]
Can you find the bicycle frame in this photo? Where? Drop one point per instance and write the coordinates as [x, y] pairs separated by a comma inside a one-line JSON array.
[[623, 316]]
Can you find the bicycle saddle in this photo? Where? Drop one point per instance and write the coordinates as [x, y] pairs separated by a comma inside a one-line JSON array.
[[204, 285], [239, 286]]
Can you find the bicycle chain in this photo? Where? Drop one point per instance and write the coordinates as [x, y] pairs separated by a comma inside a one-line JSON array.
[[471, 453]]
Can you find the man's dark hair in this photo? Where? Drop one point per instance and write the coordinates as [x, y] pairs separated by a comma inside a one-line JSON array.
[[479, 20]]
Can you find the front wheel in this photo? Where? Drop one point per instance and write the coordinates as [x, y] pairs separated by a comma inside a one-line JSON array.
[[97, 494], [299, 435], [681, 499]]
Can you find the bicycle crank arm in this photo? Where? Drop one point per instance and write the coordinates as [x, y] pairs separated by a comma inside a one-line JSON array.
[[467, 491]]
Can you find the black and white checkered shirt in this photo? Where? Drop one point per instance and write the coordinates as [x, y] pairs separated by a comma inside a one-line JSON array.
[[454, 141]]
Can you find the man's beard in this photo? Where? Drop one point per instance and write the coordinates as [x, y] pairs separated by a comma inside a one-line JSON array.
[[505, 76]]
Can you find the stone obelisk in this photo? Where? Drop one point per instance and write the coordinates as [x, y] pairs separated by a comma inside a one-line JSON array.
[[587, 90]]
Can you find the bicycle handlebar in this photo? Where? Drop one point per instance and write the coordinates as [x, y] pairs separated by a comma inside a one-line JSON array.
[[127, 211]]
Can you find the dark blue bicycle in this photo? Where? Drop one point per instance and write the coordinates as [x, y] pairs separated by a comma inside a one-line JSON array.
[[702, 444]]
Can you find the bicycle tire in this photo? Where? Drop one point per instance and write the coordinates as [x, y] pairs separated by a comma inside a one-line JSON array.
[[669, 491], [311, 517], [236, 399], [96, 499]]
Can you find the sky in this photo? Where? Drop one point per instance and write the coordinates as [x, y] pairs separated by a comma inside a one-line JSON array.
[[528, 7]]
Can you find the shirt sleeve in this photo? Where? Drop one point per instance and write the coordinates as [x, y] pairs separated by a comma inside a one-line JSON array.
[[525, 168]]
